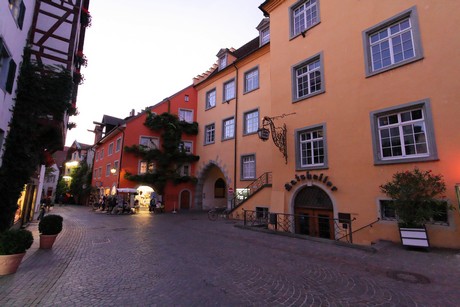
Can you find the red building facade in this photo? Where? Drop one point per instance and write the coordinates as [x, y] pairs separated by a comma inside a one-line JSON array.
[[112, 162]]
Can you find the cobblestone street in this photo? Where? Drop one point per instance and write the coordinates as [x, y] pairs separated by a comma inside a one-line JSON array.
[[186, 260]]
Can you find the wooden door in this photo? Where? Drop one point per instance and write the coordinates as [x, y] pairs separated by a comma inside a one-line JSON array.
[[315, 222], [185, 200]]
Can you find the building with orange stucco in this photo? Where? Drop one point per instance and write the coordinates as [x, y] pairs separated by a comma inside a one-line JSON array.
[[112, 162], [364, 89]]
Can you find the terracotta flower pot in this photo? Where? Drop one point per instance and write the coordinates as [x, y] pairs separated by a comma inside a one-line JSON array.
[[9, 263], [47, 241]]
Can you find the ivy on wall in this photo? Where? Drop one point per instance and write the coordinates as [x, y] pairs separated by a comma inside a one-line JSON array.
[[169, 160], [43, 96]]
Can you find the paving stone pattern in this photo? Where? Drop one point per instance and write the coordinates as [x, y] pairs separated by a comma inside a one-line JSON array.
[[186, 260]]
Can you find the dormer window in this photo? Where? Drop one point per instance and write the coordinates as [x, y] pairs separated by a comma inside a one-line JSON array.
[[264, 36], [223, 62], [264, 31]]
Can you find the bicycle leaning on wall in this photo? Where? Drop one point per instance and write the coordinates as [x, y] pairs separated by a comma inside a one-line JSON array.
[[215, 213]]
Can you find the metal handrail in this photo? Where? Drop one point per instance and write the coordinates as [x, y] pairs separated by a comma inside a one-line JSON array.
[[361, 228], [282, 222], [253, 187]]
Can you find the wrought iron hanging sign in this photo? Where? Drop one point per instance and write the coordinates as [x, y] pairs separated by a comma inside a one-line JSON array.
[[278, 133]]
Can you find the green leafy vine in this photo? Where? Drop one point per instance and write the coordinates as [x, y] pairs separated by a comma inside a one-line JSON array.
[[172, 156]]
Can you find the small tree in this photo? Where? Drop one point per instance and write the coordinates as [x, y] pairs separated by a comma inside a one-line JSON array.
[[80, 185], [416, 196]]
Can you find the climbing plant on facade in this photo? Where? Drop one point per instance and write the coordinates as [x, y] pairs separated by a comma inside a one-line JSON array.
[[43, 96], [168, 160]]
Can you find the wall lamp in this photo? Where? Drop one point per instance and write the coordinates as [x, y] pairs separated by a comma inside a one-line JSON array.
[[278, 133], [113, 170]]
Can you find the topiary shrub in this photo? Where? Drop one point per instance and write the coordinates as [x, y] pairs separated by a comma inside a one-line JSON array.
[[15, 241], [50, 224]]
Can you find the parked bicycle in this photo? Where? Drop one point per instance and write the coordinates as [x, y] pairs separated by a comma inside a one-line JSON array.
[[215, 213]]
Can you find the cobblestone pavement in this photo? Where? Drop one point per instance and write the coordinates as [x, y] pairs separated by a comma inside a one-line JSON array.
[[185, 260]]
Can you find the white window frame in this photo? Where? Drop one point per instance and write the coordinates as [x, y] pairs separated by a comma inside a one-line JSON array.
[[185, 170], [210, 134], [211, 99], [307, 72], [317, 150], [186, 115], [188, 146], [118, 145], [251, 80], [149, 142], [110, 150], [228, 131], [304, 15], [379, 125], [102, 154], [229, 90], [223, 62], [107, 170], [116, 165], [18, 10], [251, 122], [384, 30], [248, 167], [265, 36], [145, 167], [8, 69]]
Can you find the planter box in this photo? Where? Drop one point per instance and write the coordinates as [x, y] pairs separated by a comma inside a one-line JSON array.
[[9, 263], [417, 237]]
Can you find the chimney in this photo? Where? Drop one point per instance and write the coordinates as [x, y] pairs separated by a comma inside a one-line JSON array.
[[132, 112]]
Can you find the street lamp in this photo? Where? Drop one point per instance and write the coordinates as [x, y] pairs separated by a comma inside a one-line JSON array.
[[113, 170]]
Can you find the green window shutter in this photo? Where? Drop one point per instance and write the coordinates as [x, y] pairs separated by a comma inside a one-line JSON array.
[[11, 76]]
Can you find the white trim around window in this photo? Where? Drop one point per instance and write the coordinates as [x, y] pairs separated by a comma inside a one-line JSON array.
[[186, 115], [229, 90], [210, 99], [228, 128], [311, 147], [403, 134], [308, 78], [149, 142], [110, 150], [392, 43], [248, 167], [209, 134], [118, 145], [250, 122], [304, 15], [251, 80]]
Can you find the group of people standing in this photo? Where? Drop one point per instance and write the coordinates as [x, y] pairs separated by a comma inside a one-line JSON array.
[[117, 205]]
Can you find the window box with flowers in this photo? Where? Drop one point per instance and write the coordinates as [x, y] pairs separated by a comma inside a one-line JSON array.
[[417, 198], [85, 17], [80, 60]]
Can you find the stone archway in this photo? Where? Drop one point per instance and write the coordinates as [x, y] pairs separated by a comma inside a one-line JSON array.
[[314, 212], [204, 191]]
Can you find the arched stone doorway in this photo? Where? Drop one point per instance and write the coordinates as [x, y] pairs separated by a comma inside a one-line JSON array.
[[314, 213], [211, 189]]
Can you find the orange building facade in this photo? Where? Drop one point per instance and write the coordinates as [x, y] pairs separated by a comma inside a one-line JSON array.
[[111, 162], [364, 88]]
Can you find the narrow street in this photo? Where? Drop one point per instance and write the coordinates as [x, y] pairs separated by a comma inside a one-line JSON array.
[[186, 260]]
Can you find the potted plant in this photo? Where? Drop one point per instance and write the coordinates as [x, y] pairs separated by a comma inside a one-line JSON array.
[[417, 197], [49, 227], [13, 246]]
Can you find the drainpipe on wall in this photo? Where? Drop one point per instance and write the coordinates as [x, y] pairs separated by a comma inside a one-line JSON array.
[[121, 152], [235, 158]]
